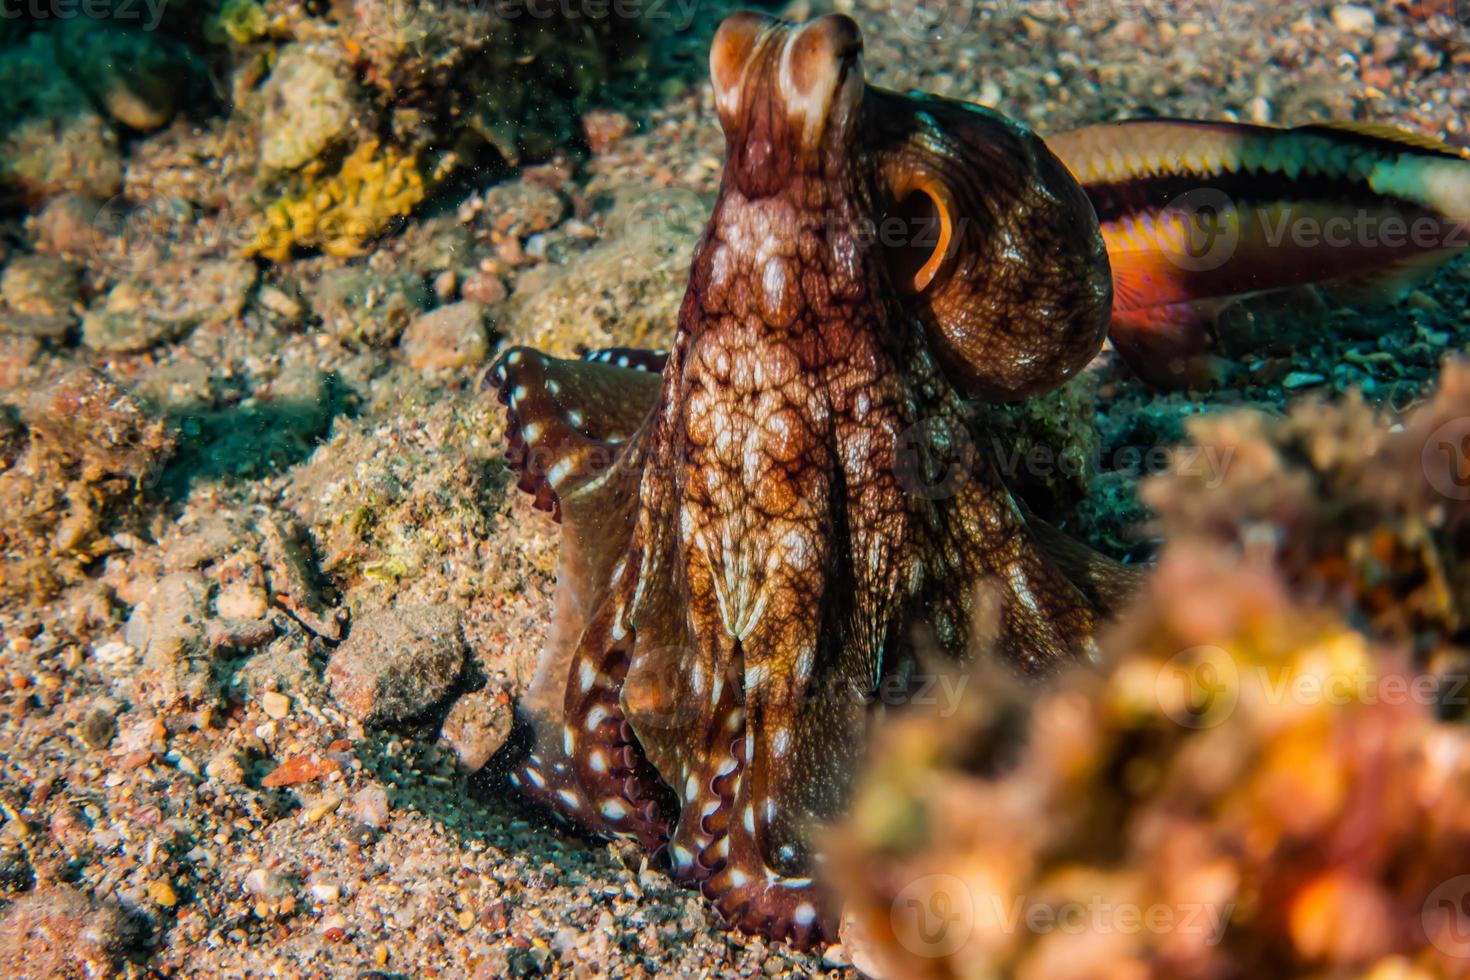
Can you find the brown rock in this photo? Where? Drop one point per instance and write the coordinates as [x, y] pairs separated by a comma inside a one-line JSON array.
[[397, 662], [450, 337], [477, 726], [604, 127]]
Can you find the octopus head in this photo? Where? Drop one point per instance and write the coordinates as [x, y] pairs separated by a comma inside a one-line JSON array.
[[789, 96]]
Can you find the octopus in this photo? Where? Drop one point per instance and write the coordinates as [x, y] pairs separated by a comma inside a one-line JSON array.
[[789, 511]]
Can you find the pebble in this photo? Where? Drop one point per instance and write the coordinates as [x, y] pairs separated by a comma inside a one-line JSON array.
[[1353, 19], [98, 727], [397, 662], [370, 806], [241, 600], [317, 811], [40, 284], [265, 884], [275, 704], [604, 127], [162, 893], [477, 726], [484, 288], [449, 337], [1301, 379], [224, 767]]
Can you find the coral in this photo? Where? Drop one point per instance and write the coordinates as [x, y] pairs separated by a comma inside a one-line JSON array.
[[1260, 781], [340, 214], [77, 468]]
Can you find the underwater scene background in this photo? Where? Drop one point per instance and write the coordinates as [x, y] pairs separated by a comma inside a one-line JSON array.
[[270, 598]]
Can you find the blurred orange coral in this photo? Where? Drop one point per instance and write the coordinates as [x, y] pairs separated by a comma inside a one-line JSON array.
[[1270, 775]]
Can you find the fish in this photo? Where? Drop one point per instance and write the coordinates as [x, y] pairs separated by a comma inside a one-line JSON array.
[[1198, 214]]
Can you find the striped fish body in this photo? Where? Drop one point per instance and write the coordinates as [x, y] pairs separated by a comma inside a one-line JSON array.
[[1197, 213]]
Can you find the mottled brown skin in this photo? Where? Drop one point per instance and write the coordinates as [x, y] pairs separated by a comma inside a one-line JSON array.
[[754, 546]]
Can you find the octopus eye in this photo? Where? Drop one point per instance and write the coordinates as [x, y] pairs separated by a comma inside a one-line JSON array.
[[918, 233], [993, 242]]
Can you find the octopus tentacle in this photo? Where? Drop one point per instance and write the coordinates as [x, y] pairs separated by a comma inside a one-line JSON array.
[[557, 410], [634, 358]]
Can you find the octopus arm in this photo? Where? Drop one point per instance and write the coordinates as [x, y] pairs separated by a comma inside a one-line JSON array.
[[584, 763]]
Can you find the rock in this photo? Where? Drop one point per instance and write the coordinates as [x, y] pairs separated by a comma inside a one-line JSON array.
[[40, 284], [604, 127], [241, 600], [477, 726], [370, 806], [224, 767], [161, 891], [37, 296], [98, 726], [167, 627], [18, 354], [275, 704], [86, 455], [518, 209], [360, 306], [1353, 19], [38, 326], [452, 336], [397, 662], [623, 291], [52, 140], [58, 931], [267, 885], [484, 288], [308, 105], [135, 76], [138, 314], [67, 226]]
